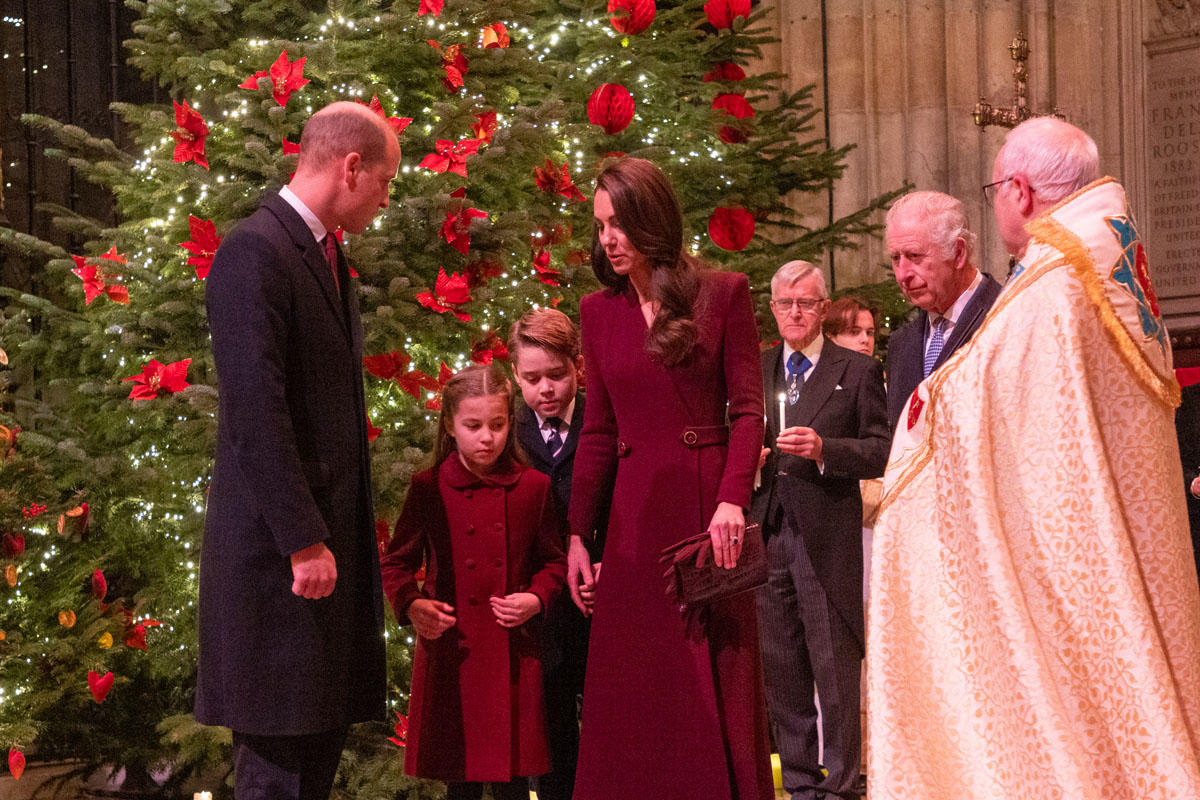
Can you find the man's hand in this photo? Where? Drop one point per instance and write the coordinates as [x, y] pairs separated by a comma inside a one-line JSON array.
[[580, 579], [314, 572], [431, 618], [803, 442], [515, 609]]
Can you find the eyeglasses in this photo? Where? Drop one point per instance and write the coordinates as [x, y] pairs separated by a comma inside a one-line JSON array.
[[805, 304], [990, 189]]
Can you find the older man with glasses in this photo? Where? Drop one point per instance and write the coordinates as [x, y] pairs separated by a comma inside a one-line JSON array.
[[826, 430], [932, 249]]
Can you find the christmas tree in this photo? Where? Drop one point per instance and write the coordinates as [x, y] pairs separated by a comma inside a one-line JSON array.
[[505, 114]]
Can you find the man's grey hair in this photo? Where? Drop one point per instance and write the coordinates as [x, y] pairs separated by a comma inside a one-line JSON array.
[[1056, 158], [793, 272], [944, 217]]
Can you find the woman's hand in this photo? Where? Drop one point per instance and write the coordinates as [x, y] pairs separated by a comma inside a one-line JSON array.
[[581, 581], [515, 609], [727, 528], [431, 618]]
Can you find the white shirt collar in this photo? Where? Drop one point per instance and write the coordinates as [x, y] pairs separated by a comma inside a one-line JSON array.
[[566, 417], [960, 304], [310, 219], [812, 352]]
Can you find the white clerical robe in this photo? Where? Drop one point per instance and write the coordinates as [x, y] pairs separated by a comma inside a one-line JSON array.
[[1035, 615]]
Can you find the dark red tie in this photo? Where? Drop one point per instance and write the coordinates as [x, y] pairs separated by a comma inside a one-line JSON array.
[[332, 258]]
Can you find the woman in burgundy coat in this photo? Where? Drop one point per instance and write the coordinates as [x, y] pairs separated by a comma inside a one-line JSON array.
[[485, 527], [671, 436]]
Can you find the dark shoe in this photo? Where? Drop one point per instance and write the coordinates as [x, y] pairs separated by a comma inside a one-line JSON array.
[[860, 785]]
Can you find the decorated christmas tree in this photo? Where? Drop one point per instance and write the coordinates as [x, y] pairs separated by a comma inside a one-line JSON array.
[[505, 113]]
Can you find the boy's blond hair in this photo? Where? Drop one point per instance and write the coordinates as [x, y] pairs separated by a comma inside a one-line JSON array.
[[548, 329]]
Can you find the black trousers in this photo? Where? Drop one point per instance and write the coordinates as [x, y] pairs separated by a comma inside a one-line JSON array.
[[564, 646], [516, 789], [805, 642], [286, 767]]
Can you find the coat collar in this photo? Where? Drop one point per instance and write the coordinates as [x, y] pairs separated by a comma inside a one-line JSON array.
[[456, 474]]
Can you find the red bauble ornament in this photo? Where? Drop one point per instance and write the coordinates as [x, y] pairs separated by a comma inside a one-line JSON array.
[[722, 13], [731, 228], [637, 17], [99, 585], [735, 106], [99, 685], [16, 763], [725, 71], [610, 107]]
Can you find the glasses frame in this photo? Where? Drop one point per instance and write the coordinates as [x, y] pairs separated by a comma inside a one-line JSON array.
[[806, 304], [990, 189]]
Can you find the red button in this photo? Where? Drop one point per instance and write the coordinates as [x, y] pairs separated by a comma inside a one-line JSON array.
[[470, 563], [499, 562], [474, 601]]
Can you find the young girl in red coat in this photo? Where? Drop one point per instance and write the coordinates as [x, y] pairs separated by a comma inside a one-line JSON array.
[[484, 526]]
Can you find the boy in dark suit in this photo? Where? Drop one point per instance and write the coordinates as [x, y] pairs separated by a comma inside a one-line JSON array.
[[545, 349]]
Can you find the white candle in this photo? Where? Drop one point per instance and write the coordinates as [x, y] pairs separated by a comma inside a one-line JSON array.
[[202, 796], [782, 424]]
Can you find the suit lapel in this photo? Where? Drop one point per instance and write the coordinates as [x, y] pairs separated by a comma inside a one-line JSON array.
[[530, 437], [311, 255], [971, 317], [568, 448], [821, 383]]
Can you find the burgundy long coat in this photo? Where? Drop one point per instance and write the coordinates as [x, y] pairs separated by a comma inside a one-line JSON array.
[[667, 716], [476, 711]]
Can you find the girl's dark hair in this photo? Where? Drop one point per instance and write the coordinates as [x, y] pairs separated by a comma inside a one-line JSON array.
[[843, 314], [477, 380], [645, 207]]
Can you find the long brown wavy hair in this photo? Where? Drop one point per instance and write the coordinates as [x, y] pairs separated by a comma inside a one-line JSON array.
[[477, 380], [648, 212]]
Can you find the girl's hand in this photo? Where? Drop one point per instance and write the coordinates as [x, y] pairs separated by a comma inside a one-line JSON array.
[[515, 609], [727, 528], [431, 618], [580, 580]]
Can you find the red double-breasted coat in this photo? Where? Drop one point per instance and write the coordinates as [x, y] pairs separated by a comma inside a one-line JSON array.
[[667, 715], [476, 711]]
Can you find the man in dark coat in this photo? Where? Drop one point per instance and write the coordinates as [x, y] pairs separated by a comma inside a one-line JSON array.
[[291, 616], [933, 256], [829, 403]]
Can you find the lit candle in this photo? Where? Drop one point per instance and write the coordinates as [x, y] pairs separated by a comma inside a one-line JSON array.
[[782, 424], [202, 796]]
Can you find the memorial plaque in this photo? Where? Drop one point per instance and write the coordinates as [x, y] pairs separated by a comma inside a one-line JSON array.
[[1172, 230]]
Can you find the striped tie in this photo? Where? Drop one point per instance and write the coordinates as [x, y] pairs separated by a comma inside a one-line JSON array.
[[935, 344]]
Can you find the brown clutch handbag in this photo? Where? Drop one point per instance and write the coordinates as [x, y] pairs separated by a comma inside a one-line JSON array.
[[694, 580]]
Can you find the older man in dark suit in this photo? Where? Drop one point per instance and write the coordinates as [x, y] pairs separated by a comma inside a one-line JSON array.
[[832, 434], [933, 256], [291, 616]]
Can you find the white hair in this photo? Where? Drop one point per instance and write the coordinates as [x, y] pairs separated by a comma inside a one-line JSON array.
[[1056, 158], [945, 221], [793, 272]]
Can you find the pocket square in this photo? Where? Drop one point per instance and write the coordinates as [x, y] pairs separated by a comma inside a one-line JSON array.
[[839, 388]]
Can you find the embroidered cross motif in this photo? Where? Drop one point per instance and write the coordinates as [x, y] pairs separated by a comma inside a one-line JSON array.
[[1133, 274]]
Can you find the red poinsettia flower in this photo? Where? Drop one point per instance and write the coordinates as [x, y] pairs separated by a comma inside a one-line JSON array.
[[14, 546], [736, 106], [97, 280], [725, 71], [557, 180], [435, 403], [286, 77], [398, 124], [449, 291], [731, 228], [450, 156], [489, 349], [135, 635], [495, 35], [631, 16], [16, 760], [98, 685], [401, 737], [456, 230], [414, 381], [157, 378], [484, 127], [722, 13], [479, 271], [430, 7], [203, 245], [189, 135], [387, 365], [454, 64], [541, 263]]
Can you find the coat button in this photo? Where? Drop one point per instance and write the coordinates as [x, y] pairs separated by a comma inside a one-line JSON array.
[[467, 494], [497, 492], [473, 601], [470, 563], [499, 562], [470, 529], [498, 526]]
